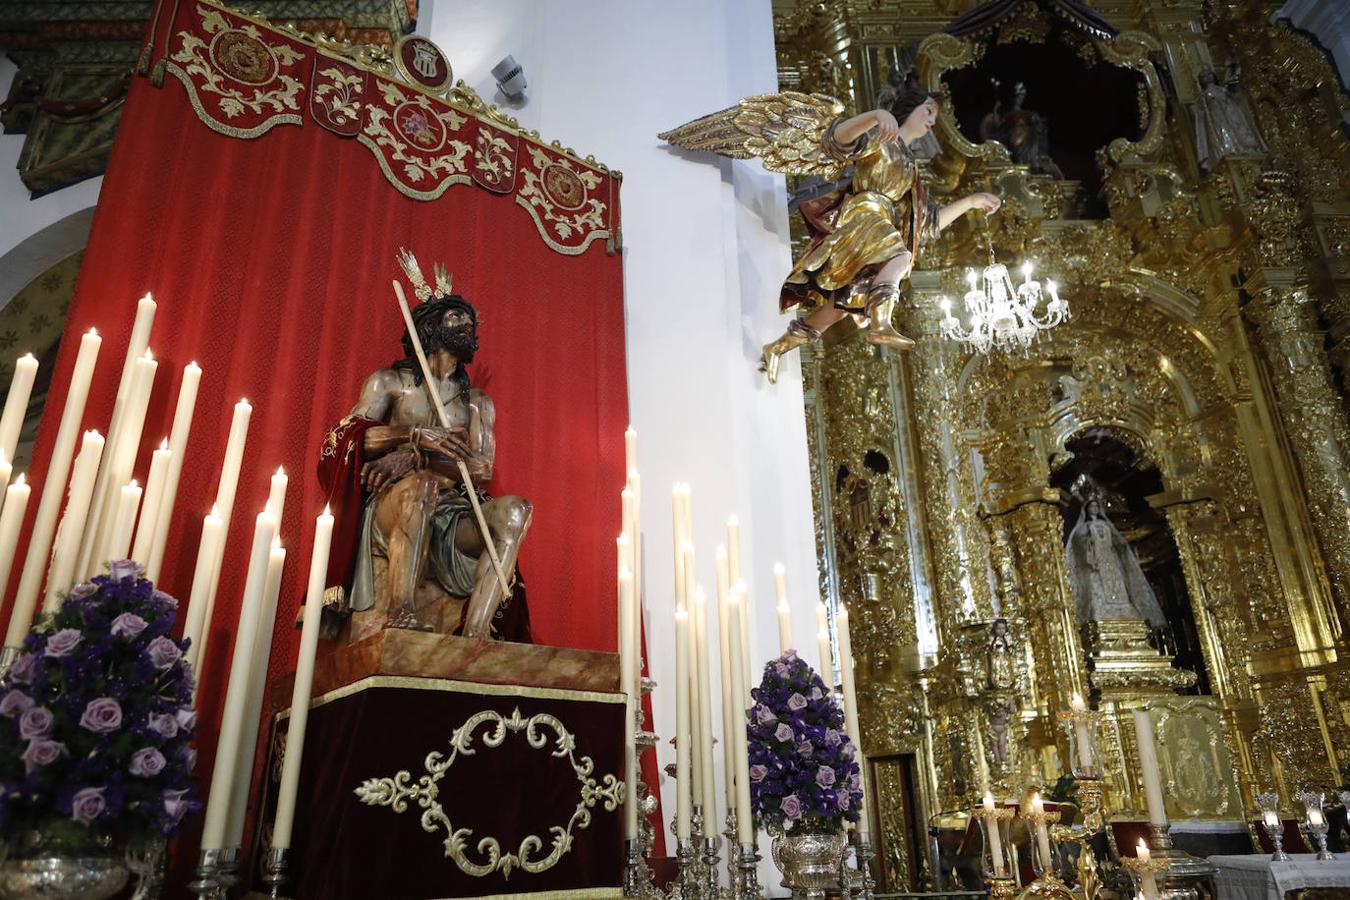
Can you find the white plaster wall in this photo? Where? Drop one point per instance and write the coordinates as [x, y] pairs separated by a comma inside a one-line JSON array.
[[706, 248], [36, 234]]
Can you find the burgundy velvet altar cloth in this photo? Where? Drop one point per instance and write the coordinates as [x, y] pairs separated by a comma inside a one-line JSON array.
[[385, 725]]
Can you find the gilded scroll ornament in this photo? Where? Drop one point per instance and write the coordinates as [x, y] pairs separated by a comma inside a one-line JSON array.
[[398, 791]]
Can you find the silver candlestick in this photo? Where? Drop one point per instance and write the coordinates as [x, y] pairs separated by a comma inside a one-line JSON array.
[[749, 872], [731, 835], [1316, 820], [1272, 824], [864, 856], [275, 868], [215, 873]]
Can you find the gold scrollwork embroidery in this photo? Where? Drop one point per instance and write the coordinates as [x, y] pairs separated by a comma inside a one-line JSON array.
[[494, 160], [557, 192], [407, 124], [340, 94], [396, 792], [238, 54]]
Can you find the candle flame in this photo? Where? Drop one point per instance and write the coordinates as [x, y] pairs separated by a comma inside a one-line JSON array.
[[164, 443], [243, 401], [93, 332], [133, 485], [327, 511], [213, 511], [281, 470], [1143, 848], [681, 614], [149, 357], [27, 356], [733, 521], [699, 595], [625, 575], [22, 479], [626, 493], [147, 296], [778, 569], [721, 552], [193, 365]]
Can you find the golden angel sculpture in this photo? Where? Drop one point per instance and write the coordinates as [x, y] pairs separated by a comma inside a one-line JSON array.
[[866, 234]]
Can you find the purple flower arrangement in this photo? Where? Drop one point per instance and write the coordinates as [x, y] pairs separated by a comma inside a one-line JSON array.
[[96, 717], [802, 768]]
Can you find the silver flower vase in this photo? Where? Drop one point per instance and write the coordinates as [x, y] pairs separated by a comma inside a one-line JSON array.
[[35, 867], [809, 860]]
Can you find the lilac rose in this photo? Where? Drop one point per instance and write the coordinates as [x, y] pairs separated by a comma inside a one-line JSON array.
[[825, 776], [42, 752], [163, 652], [84, 589], [102, 715], [764, 715], [781, 669], [35, 723], [791, 806], [14, 703], [806, 748], [22, 669], [832, 737], [168, 599], [127, 625], [186, 718], [87, 804], [816, 694], [796, 702], [162, 724], [845, 800], [189, 758], [125, 568], [758, 772], [63, 641], [175, 804], [783, 732], [147, 762]]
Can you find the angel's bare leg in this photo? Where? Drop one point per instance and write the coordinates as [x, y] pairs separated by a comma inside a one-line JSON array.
[[881, 300]]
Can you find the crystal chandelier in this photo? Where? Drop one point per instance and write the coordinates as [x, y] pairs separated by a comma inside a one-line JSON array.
[[1002, 316]]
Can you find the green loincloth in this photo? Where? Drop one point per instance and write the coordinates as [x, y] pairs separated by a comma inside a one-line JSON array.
[[447, 566]]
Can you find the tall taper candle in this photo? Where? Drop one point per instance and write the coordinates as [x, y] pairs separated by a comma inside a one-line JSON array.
[[1147, 880], [635, 623], [61, 576], [152, 503], [633, 698], [6, 470], [229, 747], [677, 496], [304, 681], [784, 611], [695, 723], [1042, 833], [745, 825], [683, 737], [747, 659], [276, 495], [259, 658], [630, 449], [1148, 768], [1080, 734], [195, 626], [11, 520], [823, 642], [124, 520], [708, 797], [727, 698], [178, 440], [225, 492], [995, 837], [16, 403], [734, 549], [851, 710], [44, 527]]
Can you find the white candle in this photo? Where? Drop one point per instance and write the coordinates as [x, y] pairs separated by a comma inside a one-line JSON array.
[[784, 611], [225, 491], [1042, 831], [119, 460], [6, 470], [708, 797], [1147, 880], [851, 711], [178, 438], [634, 636], [61, 576], [1148, 765], [304, 681], [152, 503], [1080, 731], [995, 839], [1272, 820], [632, 699], [1315, 818], [44, 526], [630, 449], [727, 697], [16, 403], [743, 613], [229, 747], [745, 832], [124, 520], [259, 659], [276, 495], [196, 627], [695, 723], [826, 660], [11, 521], [683, 738]]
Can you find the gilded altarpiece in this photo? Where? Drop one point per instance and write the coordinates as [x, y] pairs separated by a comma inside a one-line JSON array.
[[1211, 311]]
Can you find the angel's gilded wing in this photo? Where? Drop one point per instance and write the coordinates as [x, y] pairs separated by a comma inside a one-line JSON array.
[[785, 130]]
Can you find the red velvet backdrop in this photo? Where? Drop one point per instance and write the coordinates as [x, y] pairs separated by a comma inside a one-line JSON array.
[[271, 260]]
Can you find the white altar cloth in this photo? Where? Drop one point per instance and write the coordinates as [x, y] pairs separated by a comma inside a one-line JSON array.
[[1258, 877]]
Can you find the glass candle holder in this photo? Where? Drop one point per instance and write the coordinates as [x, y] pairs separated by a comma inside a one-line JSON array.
[[1272, 824], [1043, 859], [1081, 725], [995, 821], [1315, 820]]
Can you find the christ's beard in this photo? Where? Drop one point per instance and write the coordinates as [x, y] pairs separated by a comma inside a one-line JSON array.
[[462, 343]]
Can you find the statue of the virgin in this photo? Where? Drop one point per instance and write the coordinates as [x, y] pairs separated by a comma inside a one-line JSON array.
[[1107, 581]]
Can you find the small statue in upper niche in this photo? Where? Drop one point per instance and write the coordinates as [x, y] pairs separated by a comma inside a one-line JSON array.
[[1223, 122], [1107, 580], [1001, 665], [867, 231], [1023, 131]]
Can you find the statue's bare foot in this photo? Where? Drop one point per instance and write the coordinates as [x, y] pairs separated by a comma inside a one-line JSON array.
[[407, 619]]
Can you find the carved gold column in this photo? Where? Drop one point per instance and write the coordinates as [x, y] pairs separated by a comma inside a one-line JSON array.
[[1313, 417]]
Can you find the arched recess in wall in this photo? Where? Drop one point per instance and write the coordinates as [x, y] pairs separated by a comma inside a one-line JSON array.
[[37, 281]]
